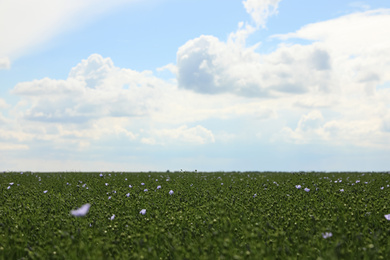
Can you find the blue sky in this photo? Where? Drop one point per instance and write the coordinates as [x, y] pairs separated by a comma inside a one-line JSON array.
[[130, 85]]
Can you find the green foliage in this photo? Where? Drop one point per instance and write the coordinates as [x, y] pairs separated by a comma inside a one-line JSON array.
[[251, 215]]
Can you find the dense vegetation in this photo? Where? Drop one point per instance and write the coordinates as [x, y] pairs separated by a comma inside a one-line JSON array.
[[251, 215]]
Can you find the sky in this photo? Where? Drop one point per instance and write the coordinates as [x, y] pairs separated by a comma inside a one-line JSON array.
[[216, 85]]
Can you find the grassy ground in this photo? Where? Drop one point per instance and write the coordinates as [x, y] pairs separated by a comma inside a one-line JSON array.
[[232, 215]]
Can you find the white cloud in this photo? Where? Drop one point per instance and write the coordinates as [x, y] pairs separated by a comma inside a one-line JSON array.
[[28, 24], [3, 104], [321, 93], [182, 135], [95, 88], [12, 146], [353, 34], [260, 10], [207, 65], [4, 63]]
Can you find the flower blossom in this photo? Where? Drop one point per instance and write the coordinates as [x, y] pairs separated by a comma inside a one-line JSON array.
[[82, 211], [327, 235]]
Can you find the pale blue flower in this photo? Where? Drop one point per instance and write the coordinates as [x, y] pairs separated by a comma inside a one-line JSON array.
[[307, 189], [45, 191], [130, 186], [143, 211], [342, 190], [387, 216], [171, 192], [142, 183], [145, 190], [128, 194], [112, 217], [159, 187], [298, 186], [82, 211], [106, 184], [327, 235]]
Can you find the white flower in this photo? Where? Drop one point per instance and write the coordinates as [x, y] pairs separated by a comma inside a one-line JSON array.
[[82, 211], [159, 187], [298, 186], [112, 217], [170, 192], [143, 211], [327, 235], [387, 216], [307, 189], [45, 191], [106, 184]]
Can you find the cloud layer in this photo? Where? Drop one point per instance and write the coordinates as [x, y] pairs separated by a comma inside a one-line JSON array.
[[331, 91]]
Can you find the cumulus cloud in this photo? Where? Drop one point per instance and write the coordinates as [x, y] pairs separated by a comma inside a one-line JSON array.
[[207, 65], [95, 88], [340, 59], [99, 101]]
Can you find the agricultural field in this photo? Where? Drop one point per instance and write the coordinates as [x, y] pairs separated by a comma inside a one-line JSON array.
[[194, 215]]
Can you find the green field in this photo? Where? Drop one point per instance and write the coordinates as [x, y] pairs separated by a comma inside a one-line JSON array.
[[219, 215]]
